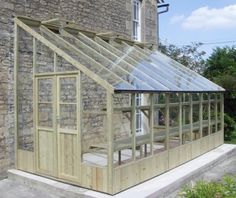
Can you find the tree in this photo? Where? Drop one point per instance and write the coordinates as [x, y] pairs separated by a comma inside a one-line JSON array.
[[221, 69], [221, 62], [188, 55]]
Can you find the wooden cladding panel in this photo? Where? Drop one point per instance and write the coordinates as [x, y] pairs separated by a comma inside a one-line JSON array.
[[174, 157], [204, 144], [131, 174], [138, 171], [94, 178], [25, 160], [196, 148], [68, 157], [46, 152]]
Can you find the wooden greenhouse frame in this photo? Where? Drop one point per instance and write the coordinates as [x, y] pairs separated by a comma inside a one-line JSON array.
[[179, 123]]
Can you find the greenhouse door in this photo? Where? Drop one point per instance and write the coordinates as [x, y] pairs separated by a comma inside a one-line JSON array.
[[57, 126]]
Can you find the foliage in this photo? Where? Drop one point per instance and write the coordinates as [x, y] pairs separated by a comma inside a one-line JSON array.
[[221, 62], [229, 127], [188, 55], [221, 68], [224, 189]]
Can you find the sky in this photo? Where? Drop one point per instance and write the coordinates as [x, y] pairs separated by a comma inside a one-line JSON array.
[[206, 21]]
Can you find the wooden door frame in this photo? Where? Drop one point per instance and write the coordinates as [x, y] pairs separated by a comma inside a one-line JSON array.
[[55, 94]]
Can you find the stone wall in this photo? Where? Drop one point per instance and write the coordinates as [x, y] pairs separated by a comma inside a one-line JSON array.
[[100, 15]]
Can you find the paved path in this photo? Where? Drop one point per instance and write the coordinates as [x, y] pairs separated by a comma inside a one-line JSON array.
[[10, 189], [228, 167]]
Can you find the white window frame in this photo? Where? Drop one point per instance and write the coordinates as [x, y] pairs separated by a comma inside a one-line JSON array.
[[139, 117], [136, 19], [136, 34]]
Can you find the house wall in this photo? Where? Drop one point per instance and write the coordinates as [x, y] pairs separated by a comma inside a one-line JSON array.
[[100, 15]]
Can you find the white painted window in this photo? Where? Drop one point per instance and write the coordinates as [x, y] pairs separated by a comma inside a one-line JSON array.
[[139, 124], [136, 20]]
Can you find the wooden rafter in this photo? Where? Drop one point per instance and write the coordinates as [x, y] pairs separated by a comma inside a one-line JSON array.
[[68, 58], [74, 49], [67, 34]]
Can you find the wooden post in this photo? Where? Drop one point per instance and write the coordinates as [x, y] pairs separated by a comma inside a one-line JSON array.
[[16, 65], [151, 122], [222, 115], [200, 114], [35, 102], [110, 139], [55, 62], [209, 114], [191, 116], [133, 125], [180, 118], [216, 113], [56, 109], [184, 119], [167, 121], [79, 124]]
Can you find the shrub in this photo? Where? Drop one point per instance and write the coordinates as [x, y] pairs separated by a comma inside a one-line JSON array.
[[224, 189], [229, 127]]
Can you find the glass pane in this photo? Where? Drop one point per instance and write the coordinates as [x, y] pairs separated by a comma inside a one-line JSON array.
[[44, 59], [45, 87], [68, 89], [24, 95], [128, 67], [45, 112], [116, 61], [68, 117]]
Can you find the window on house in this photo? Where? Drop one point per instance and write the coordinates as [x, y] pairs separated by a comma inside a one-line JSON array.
[[138, 114], [136, 20]]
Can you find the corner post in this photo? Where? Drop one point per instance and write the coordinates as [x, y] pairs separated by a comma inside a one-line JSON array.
[[216, 113], [16, 62], [209, 114], [222, 115], [34, 102], [200, 114]]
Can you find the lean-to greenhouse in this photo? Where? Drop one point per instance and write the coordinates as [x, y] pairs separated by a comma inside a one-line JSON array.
[[105, 113]]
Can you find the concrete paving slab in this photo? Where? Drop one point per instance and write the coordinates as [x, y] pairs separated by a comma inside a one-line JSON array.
[[11, 189], [160, 186]]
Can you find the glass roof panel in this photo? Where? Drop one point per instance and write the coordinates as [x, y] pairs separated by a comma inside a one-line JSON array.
[[196, 77], [170, 70], [126, 67], [117, 60], [165, 75]]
